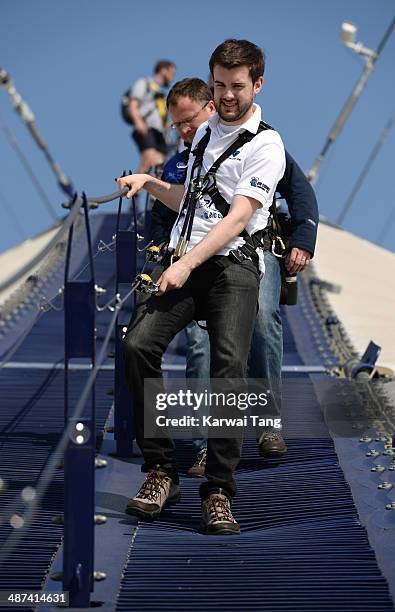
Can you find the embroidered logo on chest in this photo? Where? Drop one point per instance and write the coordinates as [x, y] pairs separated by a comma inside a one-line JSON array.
[[235, 155]]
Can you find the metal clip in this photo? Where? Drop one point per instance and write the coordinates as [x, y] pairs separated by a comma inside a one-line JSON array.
[[145, 284], [153, 254], [278, 239]]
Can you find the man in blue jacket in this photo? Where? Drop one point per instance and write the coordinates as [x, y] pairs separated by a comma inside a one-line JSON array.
[[190, 104]]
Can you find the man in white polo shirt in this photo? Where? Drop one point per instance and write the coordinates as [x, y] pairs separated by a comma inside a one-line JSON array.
[[208, 280]]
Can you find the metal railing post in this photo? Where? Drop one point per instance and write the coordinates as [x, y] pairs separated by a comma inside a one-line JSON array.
[[126, 249], [79, 457]]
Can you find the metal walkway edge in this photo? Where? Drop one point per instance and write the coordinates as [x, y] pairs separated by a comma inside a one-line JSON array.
[[302, 545], [32, 420], [301, 548]]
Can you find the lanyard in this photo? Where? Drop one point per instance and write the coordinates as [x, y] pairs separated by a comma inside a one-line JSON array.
[[195, 189]]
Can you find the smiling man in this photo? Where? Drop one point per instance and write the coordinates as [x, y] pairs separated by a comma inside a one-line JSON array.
[[209, 277], [190, 103]]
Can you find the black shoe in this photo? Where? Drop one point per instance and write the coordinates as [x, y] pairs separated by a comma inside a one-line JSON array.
[[156, 492], [199, 467], [217, 516], [271, 444]]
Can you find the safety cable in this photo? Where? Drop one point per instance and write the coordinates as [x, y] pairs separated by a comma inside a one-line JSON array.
[[145, 247], [47, 303], [386, 227], [44, 302], [76, 205], [108, 304], [365, 171], [102, 247], [42, 305], [106, 246], [24, 520], [11, 212], [18, 343], [69, 220], [29, 170], [27, 116], [348, 106], [55, 240]]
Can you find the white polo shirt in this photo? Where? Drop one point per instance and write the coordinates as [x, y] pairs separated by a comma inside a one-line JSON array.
[[252, 171]]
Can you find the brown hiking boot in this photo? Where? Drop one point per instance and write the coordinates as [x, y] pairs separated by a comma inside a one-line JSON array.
[[199, 467], [217, 516], [271, 444], [157, 491]]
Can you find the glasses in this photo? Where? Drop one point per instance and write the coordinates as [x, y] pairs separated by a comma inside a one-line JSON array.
[[187, 122]]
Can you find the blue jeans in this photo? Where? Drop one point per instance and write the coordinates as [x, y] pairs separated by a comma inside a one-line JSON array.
[[197, 362], [266, 353], [226, 295]]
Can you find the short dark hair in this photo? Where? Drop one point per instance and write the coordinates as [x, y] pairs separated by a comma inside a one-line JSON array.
[[196, 89], [163, 64], [233, 53]]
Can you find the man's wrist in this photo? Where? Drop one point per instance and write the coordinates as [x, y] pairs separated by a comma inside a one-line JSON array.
[[301, 248], [189, 260], [158, 185]]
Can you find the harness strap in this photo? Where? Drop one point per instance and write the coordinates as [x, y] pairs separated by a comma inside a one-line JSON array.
[[261, 238], [209, 186], [192, 196]]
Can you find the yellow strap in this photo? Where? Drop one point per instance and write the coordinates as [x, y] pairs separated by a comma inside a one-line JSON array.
[[159, 100]]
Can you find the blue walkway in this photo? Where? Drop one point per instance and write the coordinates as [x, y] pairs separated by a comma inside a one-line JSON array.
[[302, 545]]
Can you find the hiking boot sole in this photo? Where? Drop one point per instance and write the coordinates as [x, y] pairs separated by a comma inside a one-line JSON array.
[[195, 473], [223, 530], [279, 453], [149, 515]]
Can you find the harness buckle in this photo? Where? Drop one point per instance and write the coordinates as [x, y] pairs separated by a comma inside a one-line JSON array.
[[238, 255], [196, 186]]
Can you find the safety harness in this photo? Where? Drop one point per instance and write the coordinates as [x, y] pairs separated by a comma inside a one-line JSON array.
[[155, 93], [264, 238]]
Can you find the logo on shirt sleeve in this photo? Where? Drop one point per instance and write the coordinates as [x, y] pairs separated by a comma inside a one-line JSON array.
[[255, 182]]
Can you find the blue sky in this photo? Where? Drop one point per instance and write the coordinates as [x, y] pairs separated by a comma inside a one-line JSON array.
[[72, 61]]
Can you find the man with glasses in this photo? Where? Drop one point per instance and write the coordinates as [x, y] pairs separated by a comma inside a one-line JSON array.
[[190, 104]]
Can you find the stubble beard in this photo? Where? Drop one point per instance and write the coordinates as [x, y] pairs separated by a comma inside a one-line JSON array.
[[240, 111]]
